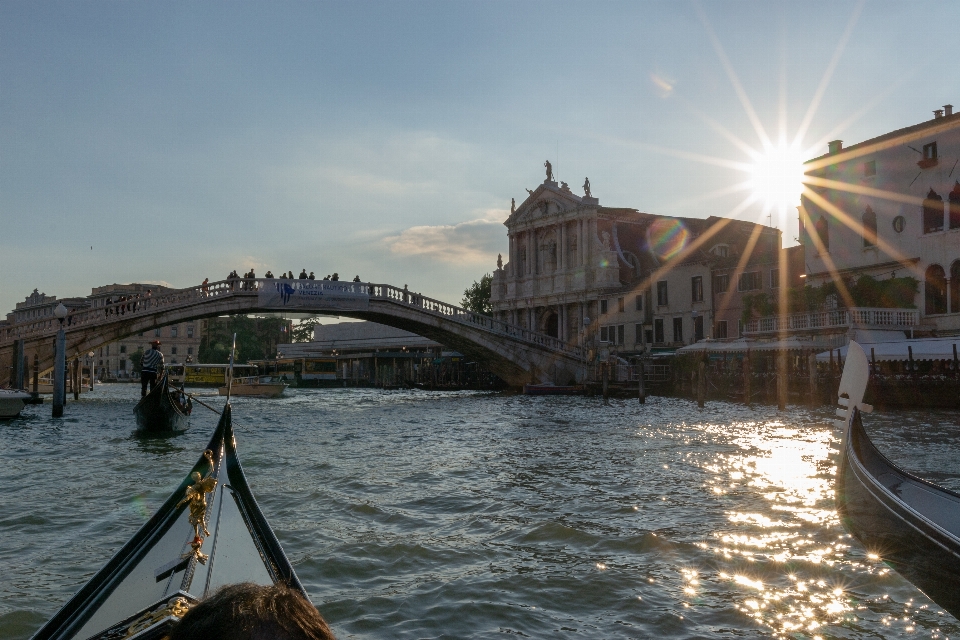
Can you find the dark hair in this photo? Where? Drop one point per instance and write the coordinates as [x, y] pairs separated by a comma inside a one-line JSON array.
[[248, 611]]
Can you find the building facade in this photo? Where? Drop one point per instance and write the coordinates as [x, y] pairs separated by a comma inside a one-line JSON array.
[[616, 279], [114, 361], [890, 206]]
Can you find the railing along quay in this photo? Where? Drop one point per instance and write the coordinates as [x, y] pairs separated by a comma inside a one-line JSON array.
[[145, 305], [837, 318]]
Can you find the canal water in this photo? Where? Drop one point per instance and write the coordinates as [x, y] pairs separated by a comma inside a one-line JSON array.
[[470, 515]]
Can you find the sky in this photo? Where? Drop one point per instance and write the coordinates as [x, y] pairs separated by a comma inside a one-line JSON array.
[[169, 142]]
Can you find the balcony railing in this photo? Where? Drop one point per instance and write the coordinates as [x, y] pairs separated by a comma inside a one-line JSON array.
[[836, 319]]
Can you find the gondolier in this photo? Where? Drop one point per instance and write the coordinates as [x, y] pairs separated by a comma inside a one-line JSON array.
[[151, 365]]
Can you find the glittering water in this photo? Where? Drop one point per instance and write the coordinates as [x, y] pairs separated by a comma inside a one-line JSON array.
[[467, 515]]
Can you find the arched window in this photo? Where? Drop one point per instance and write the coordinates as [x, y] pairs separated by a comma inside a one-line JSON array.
[[954, 214], [869, 228], [935, 285], [823, 232], [932, 212], [955, 287]]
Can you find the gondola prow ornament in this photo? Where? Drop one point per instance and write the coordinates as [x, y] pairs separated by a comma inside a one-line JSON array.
[[196, 497]]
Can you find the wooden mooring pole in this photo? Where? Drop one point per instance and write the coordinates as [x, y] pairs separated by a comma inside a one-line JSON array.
[[75, 379], [642, 392], [781, 380], [812, 373], [605, 374], [701, 383], [36, 375], [747, 378]]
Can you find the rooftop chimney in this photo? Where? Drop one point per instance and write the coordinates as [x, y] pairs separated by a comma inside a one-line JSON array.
[[937, 113], [834, 146], [948, 109]]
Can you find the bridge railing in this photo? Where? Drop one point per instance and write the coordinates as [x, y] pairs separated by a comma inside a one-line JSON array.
[[146, 305], [449, 311]]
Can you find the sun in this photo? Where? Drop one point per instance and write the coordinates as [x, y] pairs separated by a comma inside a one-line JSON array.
[[776, 177]]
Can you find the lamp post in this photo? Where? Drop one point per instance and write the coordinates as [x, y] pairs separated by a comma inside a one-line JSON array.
[[60, 364]]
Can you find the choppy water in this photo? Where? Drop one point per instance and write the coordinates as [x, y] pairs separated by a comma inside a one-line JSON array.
[[468, 515]]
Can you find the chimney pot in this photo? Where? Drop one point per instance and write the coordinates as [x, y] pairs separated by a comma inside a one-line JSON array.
[[948, 109], [835, 146], [937, 113]]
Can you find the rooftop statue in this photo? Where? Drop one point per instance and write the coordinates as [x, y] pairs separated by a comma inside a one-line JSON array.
[[499, 261], [513, 206], [549, 170], [586, 188]]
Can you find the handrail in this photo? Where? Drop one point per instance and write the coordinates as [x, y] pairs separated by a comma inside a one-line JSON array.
[[146, 305], [839, 318]]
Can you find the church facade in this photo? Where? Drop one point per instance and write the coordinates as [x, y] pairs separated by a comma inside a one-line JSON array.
[[616, 278]]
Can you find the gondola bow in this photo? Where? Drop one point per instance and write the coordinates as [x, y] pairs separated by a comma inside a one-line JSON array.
[[162, 571]]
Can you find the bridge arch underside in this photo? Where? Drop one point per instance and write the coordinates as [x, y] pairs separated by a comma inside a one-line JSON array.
[[515, 361]]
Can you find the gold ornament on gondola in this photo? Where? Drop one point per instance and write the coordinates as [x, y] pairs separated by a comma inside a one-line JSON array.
[[196, 498]]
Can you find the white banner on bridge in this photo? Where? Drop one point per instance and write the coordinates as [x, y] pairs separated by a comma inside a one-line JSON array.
[[313, 294]]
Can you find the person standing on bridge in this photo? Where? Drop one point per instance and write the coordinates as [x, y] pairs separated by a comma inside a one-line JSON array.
[[151, 364]]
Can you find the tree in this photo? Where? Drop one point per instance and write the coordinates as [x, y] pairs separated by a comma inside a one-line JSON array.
[[135, 359], [257, 338], [476, 297], [303, 332]]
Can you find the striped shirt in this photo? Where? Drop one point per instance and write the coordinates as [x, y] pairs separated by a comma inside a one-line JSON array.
[[151, 361]]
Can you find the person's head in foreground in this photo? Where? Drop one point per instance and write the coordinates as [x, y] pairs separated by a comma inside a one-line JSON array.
[[249, 611]]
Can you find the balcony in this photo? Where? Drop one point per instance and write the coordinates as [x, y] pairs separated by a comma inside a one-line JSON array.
[[835, 319]]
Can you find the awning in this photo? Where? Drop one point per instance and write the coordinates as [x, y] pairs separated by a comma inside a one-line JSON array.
[[741, 345], [923, 349]]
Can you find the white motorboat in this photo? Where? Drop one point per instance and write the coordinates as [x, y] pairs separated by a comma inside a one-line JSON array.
[[255, 386], [11, 402]]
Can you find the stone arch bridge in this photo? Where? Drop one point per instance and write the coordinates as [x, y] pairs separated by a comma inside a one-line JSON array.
[[514, 353]]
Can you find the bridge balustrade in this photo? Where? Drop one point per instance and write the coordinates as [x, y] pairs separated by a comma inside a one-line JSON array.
[[242, 287]]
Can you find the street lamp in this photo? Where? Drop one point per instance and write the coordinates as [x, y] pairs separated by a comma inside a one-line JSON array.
[[60, 364]]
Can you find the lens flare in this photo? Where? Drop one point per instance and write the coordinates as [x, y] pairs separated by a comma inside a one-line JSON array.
[[667, 238]]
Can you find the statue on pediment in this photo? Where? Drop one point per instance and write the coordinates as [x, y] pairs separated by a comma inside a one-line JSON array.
[[549, 170], [586, 188], [499, 261], [513, 206], [529, 191], [564, 186]]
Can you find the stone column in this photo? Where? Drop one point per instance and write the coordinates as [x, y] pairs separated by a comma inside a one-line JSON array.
[[580, 248], [561, 261], [530, 255], [564, 323]]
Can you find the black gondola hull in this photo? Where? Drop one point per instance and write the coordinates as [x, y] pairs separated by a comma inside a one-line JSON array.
[[136, 593], [157, 412], [874, 503]]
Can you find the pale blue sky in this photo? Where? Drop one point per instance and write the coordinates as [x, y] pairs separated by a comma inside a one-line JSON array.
[[184, 139]]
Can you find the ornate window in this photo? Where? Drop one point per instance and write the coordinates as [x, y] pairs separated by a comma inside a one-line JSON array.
[[954, 198], [935, 290], [869, 228], [662, 294], [750, 281], [823, 232], [696, 289], [932, 212], [721, 331], [678, 329]]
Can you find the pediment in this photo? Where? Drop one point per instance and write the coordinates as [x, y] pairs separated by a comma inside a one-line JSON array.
[[546, 200]]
